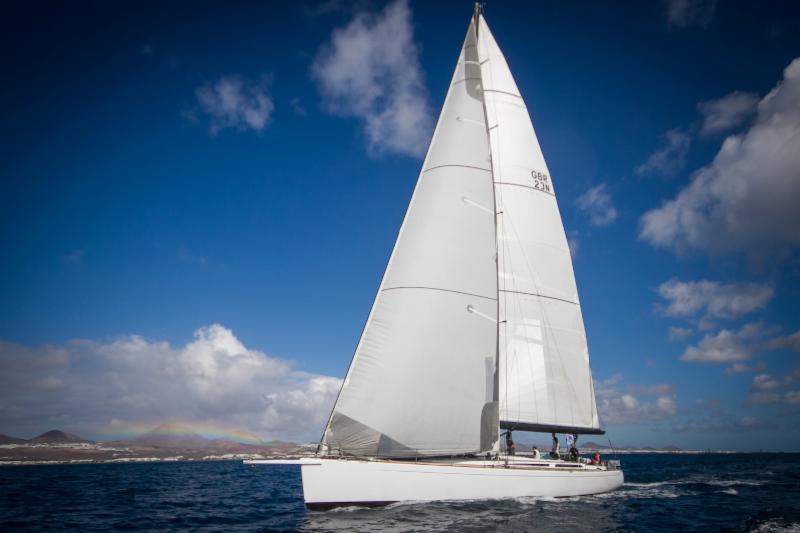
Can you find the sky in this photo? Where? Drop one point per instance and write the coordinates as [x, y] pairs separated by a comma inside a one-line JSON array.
[[198, 200]]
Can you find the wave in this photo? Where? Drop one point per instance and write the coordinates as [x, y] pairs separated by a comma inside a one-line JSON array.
[[733, 482], [776, 526]]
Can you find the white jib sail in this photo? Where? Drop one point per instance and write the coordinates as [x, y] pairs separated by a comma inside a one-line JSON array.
[[543, 361], [422, 380]]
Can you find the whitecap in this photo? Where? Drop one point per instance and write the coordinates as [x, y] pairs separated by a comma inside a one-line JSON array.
[[777, 526], [732, 482]]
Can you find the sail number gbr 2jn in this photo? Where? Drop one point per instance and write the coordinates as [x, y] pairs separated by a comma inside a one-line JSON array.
[[541, 181]]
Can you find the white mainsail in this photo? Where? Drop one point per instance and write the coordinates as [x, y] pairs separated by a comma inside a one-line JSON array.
[[477, 322], [423, 380], [543, 360]]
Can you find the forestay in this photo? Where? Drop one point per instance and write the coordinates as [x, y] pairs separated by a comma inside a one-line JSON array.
[[422, 381], [545, 380]]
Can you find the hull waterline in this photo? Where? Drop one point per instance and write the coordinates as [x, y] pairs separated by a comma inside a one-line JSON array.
[[329, 483]]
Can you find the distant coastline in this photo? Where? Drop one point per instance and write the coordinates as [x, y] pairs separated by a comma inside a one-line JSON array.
[[163, 443], [169, 443]]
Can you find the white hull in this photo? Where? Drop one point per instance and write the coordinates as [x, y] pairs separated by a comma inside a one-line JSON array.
[[336, 482]]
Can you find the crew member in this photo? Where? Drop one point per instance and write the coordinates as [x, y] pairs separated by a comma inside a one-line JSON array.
[[511, 448], [554, 452]]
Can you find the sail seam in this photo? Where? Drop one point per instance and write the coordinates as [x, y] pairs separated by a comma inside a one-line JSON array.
[[439, 289], [462, 80], [525, 186], [502, 92], [541, 296], [455, 165]]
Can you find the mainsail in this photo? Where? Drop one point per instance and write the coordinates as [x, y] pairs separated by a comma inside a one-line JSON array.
[[422, 380], [477, 323]]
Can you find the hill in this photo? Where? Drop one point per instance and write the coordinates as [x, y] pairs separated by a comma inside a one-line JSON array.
[[171, 436], [56, 436], [7, 439]]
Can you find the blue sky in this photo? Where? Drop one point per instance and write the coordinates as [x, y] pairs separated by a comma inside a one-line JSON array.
[[166, 169]]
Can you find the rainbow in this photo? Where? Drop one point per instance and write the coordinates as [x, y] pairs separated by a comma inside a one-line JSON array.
[[121, 430]]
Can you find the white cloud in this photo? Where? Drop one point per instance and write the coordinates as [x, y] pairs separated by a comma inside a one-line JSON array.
[[746, 199], [765, 382], [727, 346], [727, 112], [713, 299], [788, 342], [620, 404], [670, 157], [678, 333], [685, 13], [768, 389], [738, 368], [233, 102], [370, 70], [597, 203], [213, 378]]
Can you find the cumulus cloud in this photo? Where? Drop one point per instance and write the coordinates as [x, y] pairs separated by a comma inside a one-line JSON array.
[[685, 13], [370, 70], [727, 112], [728, 346], [597, 203], [768, 389], [746, 199], [213, 378], [626, 404], [670, 157], [713, 299], [234, 102], [787, 342]]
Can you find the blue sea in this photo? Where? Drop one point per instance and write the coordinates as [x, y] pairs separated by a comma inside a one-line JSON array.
[[708, 493]]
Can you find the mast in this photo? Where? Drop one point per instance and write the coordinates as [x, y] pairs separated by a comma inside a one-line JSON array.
[[476, 18], [476, 13]]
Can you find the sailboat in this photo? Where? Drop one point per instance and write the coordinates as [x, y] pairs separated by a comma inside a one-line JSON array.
[[476, 329]]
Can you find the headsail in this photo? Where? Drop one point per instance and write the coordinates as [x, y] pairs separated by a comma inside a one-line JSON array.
[[422, 380], [543, 363]]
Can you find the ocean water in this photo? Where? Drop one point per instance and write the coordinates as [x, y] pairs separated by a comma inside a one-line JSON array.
[[708, 493]]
